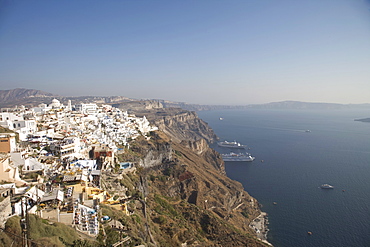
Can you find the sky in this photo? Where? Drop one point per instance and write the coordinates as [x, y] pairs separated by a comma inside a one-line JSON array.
[[232, 52]]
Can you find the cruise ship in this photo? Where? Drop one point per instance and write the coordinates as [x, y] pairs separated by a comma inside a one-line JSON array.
[[237, 157], [233, 144]]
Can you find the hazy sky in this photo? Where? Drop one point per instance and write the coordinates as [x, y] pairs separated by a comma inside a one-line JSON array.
[[196, 51]]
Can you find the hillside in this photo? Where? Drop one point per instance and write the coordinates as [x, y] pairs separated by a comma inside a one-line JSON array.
[[22, 96], [188, 197], [178, 196], [31, 98]]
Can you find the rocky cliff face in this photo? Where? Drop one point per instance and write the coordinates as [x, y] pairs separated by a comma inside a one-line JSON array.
[[186, 128], [180, 125], [138, 105], [188, 197]]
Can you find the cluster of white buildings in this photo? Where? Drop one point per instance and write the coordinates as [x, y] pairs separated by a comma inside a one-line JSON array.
[[82, 124], [66, 142]]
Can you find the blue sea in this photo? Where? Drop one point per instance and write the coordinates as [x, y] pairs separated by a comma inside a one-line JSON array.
[[295, 163]]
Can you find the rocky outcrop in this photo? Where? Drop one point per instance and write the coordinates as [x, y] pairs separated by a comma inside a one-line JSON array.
[[139, 105], [179, 124], [157, 157], [198, 146], [192, 175]]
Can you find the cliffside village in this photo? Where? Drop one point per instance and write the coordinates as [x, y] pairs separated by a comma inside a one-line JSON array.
[[52, 167]]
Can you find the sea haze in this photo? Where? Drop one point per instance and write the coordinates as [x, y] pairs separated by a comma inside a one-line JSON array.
[[295, 163]]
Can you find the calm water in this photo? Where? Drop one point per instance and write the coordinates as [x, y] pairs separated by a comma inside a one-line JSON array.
[[296, 163]]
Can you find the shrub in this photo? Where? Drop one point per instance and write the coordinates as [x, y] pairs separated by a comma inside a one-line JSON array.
[[245, 214], [160, 220], [165, 205], [136, 218]]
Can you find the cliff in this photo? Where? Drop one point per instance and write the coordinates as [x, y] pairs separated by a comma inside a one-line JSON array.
[[179, 124], [183, 195], [138, 105]]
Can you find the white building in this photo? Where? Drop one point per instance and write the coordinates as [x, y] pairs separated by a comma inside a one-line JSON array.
[[70, 146], [16, 122], [8, 171], [86, 108], [7, 119], [55, 104], [25, 128], [41, 109]]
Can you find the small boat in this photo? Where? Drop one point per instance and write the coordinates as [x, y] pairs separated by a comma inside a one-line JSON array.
[[275, 203], [221, 118], [309, 233], [326, 186], [307, 131]]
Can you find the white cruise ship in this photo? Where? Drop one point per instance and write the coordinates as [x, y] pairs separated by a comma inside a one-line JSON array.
[[237, 157], [233, 144]]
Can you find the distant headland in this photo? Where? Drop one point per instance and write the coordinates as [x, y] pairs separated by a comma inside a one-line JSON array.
[[366, 120]]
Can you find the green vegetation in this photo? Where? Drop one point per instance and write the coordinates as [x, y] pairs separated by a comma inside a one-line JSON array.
[[113, 214], [128, 181], [168, 171], [82, 243], [178, 153], [112, 236], [31, 175], [136, 218], [165, 206], [6, 130], [12, 232], [39, 230], [245, 214], [41, 233], [160, 220]]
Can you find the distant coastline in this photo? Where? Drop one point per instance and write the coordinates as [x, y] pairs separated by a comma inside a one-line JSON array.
[[33, 97], [365, 120], [273, 105]]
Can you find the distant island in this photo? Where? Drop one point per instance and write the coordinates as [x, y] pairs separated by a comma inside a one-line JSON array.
[[366, 120]]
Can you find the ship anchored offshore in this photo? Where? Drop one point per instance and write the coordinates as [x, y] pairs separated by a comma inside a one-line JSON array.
[[237, 157], [233, 144]]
